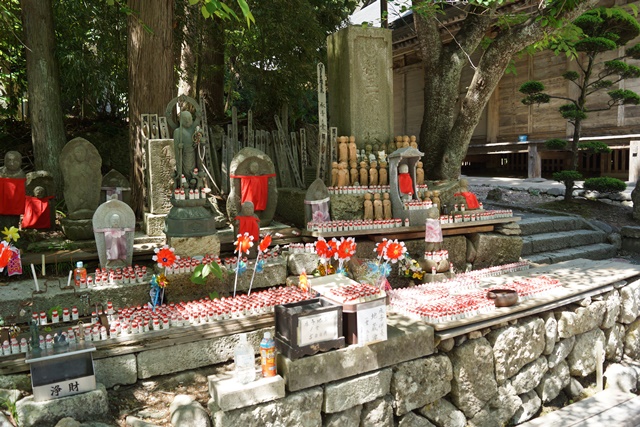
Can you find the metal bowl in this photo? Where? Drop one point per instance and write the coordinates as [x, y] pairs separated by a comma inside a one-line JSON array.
[[503, 297]]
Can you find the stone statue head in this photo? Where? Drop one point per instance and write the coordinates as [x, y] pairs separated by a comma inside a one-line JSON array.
[[114, 220], [79, 153], [39, 192], [247, 209], [334, 165], [254, 168], [12, 162], [186, 120], [385, 196], [403, 168], [367, 196], [376, 196], [464, 185], [374, 164], [419, 164]]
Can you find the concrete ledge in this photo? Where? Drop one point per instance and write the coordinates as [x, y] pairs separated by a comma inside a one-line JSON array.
[[90, 406], [119, 370], [407, 340], [229, 394]]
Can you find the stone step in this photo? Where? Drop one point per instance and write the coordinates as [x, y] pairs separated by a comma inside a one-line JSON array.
[[596, 251], [536, 225], [553, 241]]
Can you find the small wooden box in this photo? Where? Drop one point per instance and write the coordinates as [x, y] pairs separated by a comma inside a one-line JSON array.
[[307, 327]]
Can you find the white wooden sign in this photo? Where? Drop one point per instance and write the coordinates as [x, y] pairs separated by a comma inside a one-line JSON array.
[[317, 328], [372, 324]]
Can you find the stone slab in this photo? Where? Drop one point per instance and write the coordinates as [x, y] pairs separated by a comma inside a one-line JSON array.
[[159, 180], [407, 339], [195, 246], [291, 206], [154, 224], [194, 354], [89, 406], [117, 370], [342, 395], [229, 394]]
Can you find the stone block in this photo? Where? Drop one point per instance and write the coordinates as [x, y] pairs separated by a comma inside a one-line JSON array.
[[631, 231], [614, 343], [348, 418], [195, 354], [530, 405], [194, 246], [132, 421], [495, 249], [582, 359], [553, 382], [620, 377], [550, 332], [301, 409], [287, 198], [629, 303], [457, 247], [560, 351], [443, 413], [342, 395], [360, 71], [154, 224], [377, 413], [89, 406], [529, 377], [9, 396], [413, 420], [574, 389], [581, 320], [632, 340], [159, 179], [297, 263], [347, 206], [230, 394], [118, 370], [420, 382], [499, 410], [407, 339], [473, 382], [187, 412], [612, 309], [515, 346], [16, 381]]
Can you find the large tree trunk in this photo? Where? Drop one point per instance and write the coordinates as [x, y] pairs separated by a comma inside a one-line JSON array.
[[213, 67], [190, 47], [151, 78], [47, 128]]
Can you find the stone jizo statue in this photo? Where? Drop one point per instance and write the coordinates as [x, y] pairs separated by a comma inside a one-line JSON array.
[[378, 209], [12, 165], [368, 207], [113, 226]]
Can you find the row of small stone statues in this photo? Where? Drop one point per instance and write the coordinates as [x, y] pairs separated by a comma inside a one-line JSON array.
[[369, 174], [348, 151]]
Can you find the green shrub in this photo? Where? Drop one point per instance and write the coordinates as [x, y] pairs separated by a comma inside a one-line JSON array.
[[594, 147], [605, 184], [564, 176], [531, 87], [556, 144]]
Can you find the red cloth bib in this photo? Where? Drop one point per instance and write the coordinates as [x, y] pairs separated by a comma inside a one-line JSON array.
[[37, 213], [12, 196], [251, 225], [405, 184], [255, 189], [470, 198]]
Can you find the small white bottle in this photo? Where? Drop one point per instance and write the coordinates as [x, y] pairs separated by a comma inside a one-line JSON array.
[[245, 361]]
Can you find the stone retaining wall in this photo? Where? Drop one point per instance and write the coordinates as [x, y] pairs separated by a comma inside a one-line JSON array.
[[490, 377]]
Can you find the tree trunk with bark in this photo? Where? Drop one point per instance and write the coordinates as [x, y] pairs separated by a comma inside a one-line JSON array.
[[448, 122], [213, 67], [151, 77], [45, 110]]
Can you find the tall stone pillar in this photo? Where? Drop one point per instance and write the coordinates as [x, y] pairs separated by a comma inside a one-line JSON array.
[[360, 76]]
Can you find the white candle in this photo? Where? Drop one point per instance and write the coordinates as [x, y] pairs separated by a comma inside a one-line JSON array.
[[43, 266], [69, 279], [35, 278]]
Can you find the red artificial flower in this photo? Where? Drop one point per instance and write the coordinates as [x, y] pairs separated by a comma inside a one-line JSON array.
[[325, 250], [244, 243], [165, 256], [5, 254], [394, 251], [345, 248], [264, 244], [381, 247]]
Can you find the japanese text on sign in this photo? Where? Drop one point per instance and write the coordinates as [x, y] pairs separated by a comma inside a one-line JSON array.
[[317, 328], [372, 324]]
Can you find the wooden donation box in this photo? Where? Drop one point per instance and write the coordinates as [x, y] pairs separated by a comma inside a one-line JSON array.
[[307, 327], [61, 372], [364, 307]]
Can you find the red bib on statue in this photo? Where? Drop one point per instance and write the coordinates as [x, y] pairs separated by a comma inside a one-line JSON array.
[[470, 199], [405, 185], [12, 196], [255, 189], [37, 213], [251, 225]]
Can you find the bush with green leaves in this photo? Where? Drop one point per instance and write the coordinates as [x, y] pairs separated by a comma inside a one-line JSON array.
[[594, 147], [605, 184], [568, 175], [556, 144]]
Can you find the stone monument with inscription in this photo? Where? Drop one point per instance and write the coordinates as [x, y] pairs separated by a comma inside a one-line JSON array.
[[360, 78], [80, 164], [115, 184], [160, 161]]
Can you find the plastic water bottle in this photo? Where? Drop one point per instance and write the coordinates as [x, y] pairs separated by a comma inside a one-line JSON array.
[[268, 356], [245, 360]]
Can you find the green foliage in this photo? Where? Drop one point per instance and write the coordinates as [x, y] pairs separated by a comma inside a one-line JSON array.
[[531, 87], [567, 176], [634, 51], [202, 271], [616, 66], [13, 69], [572, 112], [612, 24], [594, 147], [625, 96], [536, 98], [556, 144], [594, 45], [571, 75], [605, 184]]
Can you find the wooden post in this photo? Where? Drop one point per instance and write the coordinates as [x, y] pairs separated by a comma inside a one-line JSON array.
[[534, 166], [323, 130], [303, 148], [251, 135]]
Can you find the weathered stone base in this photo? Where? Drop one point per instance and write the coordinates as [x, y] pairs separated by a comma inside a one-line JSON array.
[[195, 246], [154, 224], [229, 394], [90, 406], [77, 229]]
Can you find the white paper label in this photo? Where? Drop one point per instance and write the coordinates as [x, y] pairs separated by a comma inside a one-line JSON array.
[[372, 324], [317, 328]]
